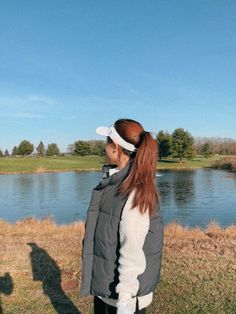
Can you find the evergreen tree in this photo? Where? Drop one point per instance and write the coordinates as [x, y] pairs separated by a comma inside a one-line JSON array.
[[52, 150], [82, 148], [1, 153], [182, 144], [206, 150], [164, 140], [25, 148], [41, 149]]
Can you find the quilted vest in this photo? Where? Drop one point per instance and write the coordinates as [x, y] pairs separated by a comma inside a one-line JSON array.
[[101, 244]]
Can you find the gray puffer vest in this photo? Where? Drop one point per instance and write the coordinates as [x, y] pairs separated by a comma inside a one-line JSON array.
[[101, 244]]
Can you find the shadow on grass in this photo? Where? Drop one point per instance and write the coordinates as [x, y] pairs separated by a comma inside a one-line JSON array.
[[45, 269], [6, 287]]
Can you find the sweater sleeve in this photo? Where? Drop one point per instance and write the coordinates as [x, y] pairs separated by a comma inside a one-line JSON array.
[[133, 230]]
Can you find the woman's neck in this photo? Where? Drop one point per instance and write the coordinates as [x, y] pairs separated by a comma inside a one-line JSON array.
[[123, 162]]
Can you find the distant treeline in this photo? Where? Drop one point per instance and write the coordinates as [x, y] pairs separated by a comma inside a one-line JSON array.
[[180, 143]]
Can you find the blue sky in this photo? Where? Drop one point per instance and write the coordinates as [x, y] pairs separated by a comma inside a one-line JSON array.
[[67, 67]]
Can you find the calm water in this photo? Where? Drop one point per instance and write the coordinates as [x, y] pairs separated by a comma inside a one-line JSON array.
[[190, 197]]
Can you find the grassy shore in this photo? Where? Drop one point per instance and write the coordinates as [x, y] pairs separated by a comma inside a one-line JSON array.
[[77, 163], [40, 269], [50, 164]]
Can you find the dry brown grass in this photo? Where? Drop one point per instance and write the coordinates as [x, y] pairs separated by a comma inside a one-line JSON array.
[[226, 163], [44, 264], [40, 169]]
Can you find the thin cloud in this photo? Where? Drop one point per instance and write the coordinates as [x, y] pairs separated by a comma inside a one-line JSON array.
[[28, 100], [30, 106]]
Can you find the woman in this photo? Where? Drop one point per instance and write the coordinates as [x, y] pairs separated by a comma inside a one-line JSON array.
[[123, 241]]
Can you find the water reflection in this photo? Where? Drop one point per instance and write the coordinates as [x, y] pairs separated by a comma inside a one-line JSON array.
[[83, 184], [183, 187], [190, 197]]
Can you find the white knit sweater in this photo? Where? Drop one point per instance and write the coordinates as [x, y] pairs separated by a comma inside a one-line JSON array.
[[133, 230]]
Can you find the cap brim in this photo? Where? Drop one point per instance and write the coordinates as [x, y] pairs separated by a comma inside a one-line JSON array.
[[102, 130]]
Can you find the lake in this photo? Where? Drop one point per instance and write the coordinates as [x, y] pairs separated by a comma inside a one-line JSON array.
[[189, 197]]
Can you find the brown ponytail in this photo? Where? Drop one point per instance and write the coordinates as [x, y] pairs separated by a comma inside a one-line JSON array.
[[142, 175]]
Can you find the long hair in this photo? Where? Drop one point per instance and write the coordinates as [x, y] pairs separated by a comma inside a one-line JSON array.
[[142, 175]]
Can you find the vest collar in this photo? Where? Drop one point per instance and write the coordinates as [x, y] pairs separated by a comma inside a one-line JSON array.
[[115, 177]]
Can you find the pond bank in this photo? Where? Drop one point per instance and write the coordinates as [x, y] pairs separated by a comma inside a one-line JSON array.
[[48, 170], [227, 163], [25, 165], [92, 169]]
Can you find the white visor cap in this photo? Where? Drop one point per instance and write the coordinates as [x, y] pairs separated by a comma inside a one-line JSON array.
[[113, 134]]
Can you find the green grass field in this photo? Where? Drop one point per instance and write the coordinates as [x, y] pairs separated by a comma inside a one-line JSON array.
[[42, 164], [39, 164]]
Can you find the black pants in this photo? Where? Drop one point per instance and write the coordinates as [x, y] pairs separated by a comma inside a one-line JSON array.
[[101, 307]]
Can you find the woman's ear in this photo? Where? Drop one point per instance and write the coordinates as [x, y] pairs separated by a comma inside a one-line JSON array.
[[115, 147]]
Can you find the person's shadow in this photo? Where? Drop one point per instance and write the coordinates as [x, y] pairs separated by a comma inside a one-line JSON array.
[[6, 287], [45, 269]]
